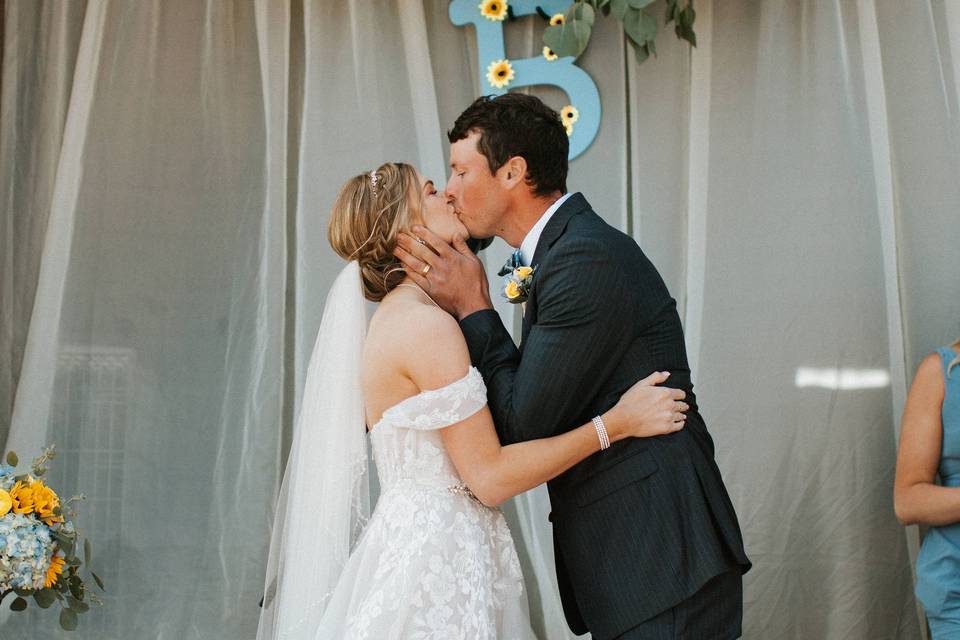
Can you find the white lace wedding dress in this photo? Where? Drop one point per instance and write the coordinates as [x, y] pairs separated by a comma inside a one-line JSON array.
[[433, 563]]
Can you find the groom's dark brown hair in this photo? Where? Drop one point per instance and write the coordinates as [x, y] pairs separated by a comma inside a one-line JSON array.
[[515, 124]]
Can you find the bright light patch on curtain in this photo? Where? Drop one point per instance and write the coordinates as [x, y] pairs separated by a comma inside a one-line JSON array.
[[832, 378]]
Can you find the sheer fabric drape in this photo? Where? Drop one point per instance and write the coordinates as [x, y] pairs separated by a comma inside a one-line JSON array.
[[167, 172]]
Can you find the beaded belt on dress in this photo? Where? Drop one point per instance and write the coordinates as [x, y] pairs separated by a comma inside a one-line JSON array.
[[459, 489], [462, 490]]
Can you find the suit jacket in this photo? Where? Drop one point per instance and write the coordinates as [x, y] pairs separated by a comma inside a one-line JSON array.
[[641, 526]]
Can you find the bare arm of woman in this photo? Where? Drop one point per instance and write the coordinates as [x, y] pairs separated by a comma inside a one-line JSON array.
[[916, 499], [494, 473]]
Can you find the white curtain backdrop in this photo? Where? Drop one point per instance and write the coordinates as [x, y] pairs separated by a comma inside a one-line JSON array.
[[166, 171]]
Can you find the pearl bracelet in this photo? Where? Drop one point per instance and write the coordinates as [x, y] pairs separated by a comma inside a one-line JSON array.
[[601, 433]]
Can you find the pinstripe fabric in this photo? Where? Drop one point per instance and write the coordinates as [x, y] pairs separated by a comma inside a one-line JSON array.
[[713, 613], [642, 526]]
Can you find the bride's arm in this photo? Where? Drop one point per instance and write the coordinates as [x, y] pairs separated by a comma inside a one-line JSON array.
[[495, 473]]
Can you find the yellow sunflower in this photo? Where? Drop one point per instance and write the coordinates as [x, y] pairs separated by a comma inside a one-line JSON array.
[[569, 115], [549, 54], [22, 498], [499, 73], [494, 10], [557, 18], [6, 503], [55, 569], [45, 500]]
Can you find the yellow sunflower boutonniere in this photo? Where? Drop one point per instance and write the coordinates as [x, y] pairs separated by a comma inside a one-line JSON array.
[[558, 18], [517, 283], [500, 73], [494, 10]]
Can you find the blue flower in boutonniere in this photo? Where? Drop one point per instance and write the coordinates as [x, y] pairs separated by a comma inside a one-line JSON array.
[[516, 284]]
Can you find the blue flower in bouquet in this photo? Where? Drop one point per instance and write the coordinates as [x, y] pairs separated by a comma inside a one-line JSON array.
[[6, 476], [26, 547]]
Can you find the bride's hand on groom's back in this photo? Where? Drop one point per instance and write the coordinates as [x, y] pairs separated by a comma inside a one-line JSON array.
[[647, 410]]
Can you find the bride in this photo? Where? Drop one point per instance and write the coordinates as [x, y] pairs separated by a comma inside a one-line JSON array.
[[436, 559]]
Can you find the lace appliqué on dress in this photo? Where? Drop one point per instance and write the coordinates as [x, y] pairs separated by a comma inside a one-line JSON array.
[[433, 563]]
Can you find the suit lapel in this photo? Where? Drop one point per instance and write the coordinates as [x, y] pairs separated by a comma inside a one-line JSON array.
[[551, 233], [557, 224]]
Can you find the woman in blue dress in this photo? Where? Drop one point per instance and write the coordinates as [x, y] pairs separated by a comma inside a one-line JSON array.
[[930, 447]]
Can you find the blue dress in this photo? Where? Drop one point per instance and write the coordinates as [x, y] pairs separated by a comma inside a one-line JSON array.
[[938, 565]]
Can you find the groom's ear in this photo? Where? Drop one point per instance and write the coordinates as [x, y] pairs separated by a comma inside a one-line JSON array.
[[479, 244], [514, 171]]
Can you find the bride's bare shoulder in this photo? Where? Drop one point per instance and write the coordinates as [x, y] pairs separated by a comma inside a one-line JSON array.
[[420, 335]]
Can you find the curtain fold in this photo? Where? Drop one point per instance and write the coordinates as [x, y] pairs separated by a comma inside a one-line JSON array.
[[166, 173]]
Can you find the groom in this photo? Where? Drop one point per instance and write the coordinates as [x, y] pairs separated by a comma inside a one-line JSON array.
[[646, 539]]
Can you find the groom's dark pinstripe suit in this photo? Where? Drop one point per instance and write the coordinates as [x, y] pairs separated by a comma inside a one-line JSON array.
[[641, 527]]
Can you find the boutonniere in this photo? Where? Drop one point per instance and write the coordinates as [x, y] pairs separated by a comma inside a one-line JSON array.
[[517, 283]]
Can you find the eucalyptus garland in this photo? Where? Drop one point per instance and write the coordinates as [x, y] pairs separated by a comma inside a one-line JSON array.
[[569, 33]]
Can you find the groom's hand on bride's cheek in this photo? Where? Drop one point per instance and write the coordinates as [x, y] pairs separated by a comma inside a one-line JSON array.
[[452, 275]]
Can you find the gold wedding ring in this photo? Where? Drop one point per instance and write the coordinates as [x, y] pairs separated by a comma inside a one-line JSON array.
[[425, 270]]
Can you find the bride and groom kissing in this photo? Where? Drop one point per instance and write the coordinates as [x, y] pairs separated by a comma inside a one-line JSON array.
[[646, 540]]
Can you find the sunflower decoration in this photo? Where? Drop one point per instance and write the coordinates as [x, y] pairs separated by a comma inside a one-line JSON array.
[[493, 10], [499, 73], [558, 18], [569, 115], [549, 54]]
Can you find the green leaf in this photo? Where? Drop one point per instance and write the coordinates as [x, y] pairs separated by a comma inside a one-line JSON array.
[[639, 4], [12, 459], [45, 598], [619, 8], [568, 39], [78, 605], [639, 26], [641, 53], [686, 33], [97, 579], [68, 619], [86, 550], [672, 11], [18, 605], [581, 11]]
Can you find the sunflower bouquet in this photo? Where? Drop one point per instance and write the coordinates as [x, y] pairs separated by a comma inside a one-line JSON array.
[[38, 544]]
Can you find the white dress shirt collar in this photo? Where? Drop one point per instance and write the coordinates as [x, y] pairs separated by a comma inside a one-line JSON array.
[[529, 245]]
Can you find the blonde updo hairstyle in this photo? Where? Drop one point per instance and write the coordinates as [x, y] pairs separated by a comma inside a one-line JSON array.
[[369, 211]]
